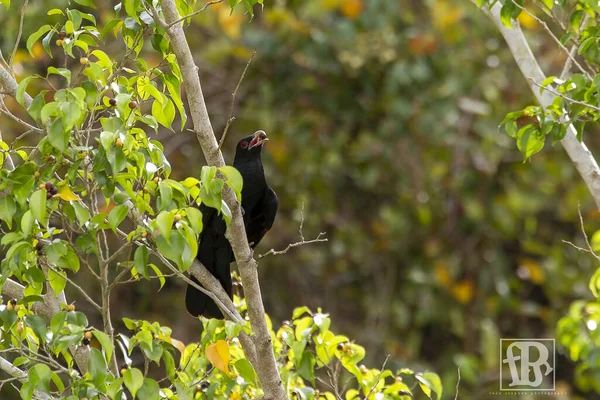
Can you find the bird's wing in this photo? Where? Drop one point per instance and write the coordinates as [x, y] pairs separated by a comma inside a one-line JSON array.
[[262, 216], [214, 252]]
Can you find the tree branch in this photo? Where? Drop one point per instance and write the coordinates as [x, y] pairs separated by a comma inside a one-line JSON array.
[[9, 84], [20, 375], [579, 154], [236, 233]]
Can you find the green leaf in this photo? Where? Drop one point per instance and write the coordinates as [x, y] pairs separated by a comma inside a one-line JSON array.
[[133, 380], [37, 204], [140, 260], [166, 196], [58, 136], [21, 90], [164, 115], [86, 3], [246, 371], [35, 37], [39, 376], [159, 274], [207, 175], [6, 3], [116, 216], [300, 311], [57, 282], [105, 342], [46, 42], [97, 367], [70, 113], [194, 217], [165, 223], [529, 141], [65, 73], [594, 284], [191, 248], [38, 326], [160, 44], [169, 364], [429, 382], [150, 389], [82, 214], [8, 208], [75, 17], [575, 19], [9, 238], [27, 222], [234, 180], [306, 367], [173, 249]]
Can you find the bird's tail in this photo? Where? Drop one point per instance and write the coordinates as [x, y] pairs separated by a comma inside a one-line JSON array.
[[198, 303]]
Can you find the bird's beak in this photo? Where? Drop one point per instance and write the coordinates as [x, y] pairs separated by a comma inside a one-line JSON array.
[[259, 138]]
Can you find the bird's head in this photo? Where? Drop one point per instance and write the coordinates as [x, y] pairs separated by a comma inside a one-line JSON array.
[[254, 141]]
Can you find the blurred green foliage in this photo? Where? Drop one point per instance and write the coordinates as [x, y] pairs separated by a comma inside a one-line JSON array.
[[383, 118]]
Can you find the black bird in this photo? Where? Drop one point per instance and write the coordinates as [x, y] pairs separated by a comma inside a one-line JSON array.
[[259, 205]]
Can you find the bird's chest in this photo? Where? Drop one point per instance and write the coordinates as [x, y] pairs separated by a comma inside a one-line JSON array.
[[254, 183]]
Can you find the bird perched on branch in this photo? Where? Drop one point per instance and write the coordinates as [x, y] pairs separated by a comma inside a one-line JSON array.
[[259, 205]]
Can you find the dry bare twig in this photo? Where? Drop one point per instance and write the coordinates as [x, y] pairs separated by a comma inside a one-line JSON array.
[[231, 118], [302, 241]]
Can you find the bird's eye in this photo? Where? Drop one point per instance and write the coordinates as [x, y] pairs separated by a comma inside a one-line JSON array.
[[244, 145], [262, 135]]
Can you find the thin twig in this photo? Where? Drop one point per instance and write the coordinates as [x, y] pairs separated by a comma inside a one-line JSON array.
[[556, 93], [577, 247], [274, 252], [14, 52], [458, 381], [587, 242], [302, 241], [569, 63], [76, 286], [300, 230], [231, 117], [19, 120], [210, 3], [379, 376], [119, 251], [557, 40]]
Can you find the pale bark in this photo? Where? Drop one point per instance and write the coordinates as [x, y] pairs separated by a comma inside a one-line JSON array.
[[20, 375], [265, 358], [9, 86], [581, 157]]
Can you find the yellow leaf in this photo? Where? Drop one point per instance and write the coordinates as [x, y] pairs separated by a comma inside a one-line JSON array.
[[442, 275], [218, 355], [179, 345], [531, 270], [463, 291], [230, 24], [527, 21], [351, 8], [66, 194]]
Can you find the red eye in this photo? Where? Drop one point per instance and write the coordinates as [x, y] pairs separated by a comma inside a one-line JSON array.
[[244, 145]]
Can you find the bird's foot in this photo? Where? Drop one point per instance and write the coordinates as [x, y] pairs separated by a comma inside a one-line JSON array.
[[243, 211]]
